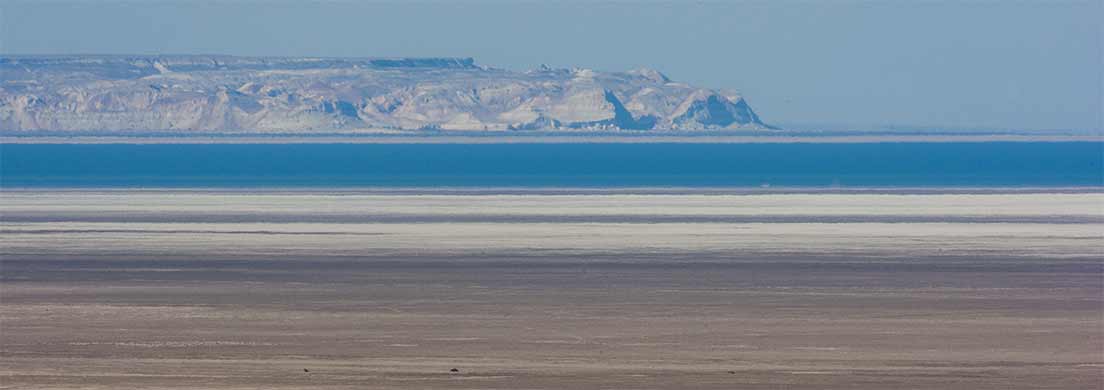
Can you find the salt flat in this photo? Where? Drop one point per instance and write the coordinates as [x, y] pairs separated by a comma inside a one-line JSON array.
[[233, 289]]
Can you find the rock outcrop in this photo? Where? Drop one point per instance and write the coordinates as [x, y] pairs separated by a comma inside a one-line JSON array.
[[225, 94]]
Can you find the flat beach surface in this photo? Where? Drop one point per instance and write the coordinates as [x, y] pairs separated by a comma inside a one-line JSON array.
[[551, 290]]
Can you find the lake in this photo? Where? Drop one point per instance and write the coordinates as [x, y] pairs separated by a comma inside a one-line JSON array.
[[827, 165]]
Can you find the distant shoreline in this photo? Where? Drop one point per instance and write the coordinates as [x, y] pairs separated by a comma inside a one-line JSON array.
[[547, 139], [565, 191]]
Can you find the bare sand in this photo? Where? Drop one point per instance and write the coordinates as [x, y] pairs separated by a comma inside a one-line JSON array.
[[192, 289]]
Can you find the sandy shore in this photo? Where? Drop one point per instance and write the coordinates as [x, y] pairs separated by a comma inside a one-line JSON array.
[[192, 289]]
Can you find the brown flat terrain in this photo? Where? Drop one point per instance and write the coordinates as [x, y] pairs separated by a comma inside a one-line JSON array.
[[105, 291]]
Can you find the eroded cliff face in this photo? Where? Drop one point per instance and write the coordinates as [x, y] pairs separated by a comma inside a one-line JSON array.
[[345, 95]]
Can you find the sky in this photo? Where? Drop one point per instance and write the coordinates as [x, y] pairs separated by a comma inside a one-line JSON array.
[[1018, 64]]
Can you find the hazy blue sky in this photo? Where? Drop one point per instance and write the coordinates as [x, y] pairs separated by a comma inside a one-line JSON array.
[[973, 64]]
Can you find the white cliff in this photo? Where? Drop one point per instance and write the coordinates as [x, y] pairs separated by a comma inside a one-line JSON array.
[[224, 94]]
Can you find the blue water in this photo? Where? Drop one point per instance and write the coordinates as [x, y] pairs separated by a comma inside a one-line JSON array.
[[995, 164]]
